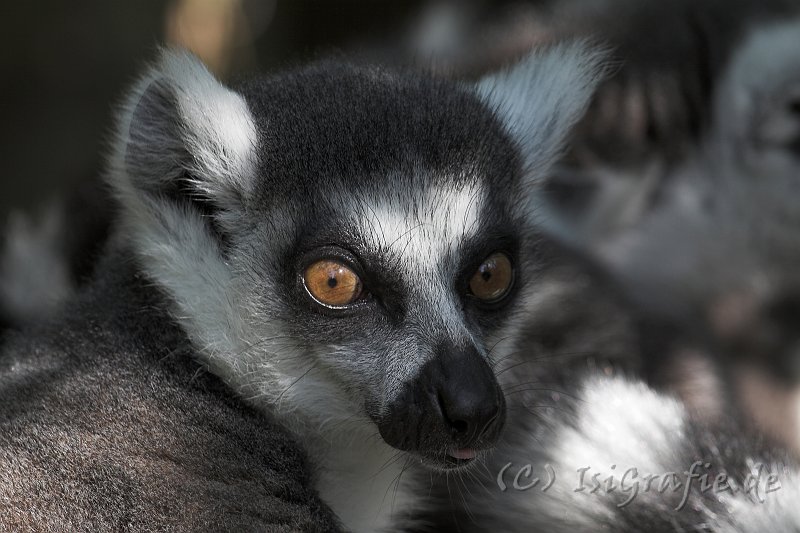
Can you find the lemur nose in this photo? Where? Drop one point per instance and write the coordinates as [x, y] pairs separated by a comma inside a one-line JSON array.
[[470, 401], [468, 414], [454, 405]]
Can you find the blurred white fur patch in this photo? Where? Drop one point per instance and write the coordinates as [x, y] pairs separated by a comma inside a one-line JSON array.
[[34, 273]]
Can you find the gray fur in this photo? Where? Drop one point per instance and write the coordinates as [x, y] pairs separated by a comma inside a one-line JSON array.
[[531, 100], [108, 424]]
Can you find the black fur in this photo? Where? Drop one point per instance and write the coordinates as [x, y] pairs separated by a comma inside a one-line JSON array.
[[345, 127], [459, 391]]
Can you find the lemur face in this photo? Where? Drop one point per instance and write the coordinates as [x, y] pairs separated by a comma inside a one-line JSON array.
[[346, 241], [398, 296], [397, 258]]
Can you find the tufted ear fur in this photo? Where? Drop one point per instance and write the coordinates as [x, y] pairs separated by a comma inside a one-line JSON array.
[[185, 137], [183, 165], [541, 97]]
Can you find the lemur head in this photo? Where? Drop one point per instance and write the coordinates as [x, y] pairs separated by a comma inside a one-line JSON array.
[[346, 242]]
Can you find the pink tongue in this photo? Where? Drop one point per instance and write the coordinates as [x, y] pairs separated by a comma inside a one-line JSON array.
[[463, 454]]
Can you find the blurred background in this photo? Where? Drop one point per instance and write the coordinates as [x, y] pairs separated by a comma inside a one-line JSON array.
[[66, 64]]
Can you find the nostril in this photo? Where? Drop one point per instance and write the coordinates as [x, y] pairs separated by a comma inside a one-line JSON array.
[[468, 417], [459, 426], [457, 423]]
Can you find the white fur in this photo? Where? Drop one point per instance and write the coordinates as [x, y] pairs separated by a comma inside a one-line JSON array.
[[418, 229], [619, 425], [368, 483], [776, 511], [215, 127], [172, 241], [34, 274], [622, 422]]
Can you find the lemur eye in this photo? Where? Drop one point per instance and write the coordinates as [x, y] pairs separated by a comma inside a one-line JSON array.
[[493, 279], [332, 283]]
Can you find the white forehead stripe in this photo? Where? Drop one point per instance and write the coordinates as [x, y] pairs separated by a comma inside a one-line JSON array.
[[420, 227]]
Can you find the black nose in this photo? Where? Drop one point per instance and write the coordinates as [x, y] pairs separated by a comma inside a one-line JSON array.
[[454, 402], [468, 398]]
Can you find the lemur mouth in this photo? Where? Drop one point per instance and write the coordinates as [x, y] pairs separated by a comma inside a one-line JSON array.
[[463, 454], [452, 460], [460, 457]]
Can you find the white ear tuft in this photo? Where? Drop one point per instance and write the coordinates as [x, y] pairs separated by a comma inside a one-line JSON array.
[[181, 125], [184, 162], [540, 98]]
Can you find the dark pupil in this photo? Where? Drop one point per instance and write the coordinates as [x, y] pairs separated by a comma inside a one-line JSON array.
[[486, 271], [332, 282]]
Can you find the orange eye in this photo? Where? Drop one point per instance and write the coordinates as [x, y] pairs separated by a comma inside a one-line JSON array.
[[332, 283], [493, 279]]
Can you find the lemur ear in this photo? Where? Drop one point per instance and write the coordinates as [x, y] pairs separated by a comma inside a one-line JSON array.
[[185, 134], [540, 98]]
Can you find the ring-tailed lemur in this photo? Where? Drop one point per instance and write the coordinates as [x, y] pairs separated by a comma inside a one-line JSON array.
[[343, 245], [347, 246], [351, 249], [351, 238]]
